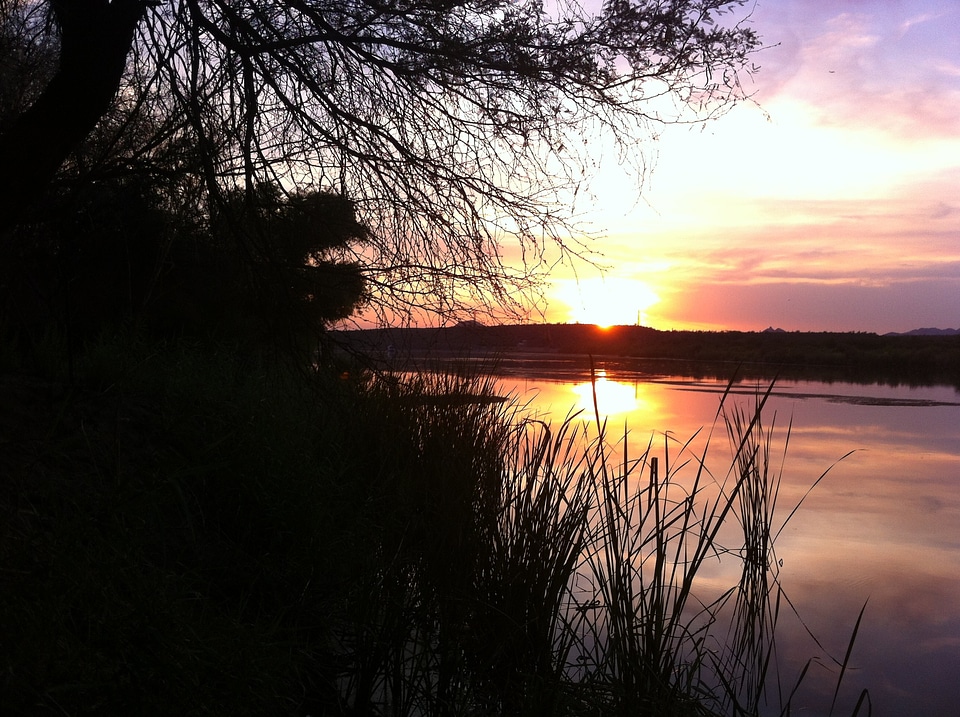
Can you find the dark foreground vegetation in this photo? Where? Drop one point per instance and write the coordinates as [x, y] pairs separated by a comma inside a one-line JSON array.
[[855, 357], [190, 531]]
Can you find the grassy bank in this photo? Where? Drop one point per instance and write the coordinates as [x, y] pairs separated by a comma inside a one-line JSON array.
[[190, 531]]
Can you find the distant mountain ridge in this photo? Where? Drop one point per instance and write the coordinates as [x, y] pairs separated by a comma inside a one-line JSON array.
[[926, 332]]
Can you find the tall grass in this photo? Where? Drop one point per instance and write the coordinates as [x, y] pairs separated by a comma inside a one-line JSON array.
[[652, 642], [539, 575]]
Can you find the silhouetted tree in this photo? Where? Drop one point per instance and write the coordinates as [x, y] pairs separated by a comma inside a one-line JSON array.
[[93, 39], [116, 252], [459, 127], [299, 276], [29, 58]]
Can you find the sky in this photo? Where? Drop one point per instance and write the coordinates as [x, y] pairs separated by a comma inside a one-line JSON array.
[[829, 202]]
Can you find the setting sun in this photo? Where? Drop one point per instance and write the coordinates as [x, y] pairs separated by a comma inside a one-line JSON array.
[[606, 302]]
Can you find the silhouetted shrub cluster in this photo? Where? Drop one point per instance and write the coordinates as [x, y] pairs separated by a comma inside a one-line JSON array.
[[117, 254]]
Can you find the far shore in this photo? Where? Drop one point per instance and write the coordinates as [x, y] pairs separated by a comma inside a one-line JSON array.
[[573, 348]]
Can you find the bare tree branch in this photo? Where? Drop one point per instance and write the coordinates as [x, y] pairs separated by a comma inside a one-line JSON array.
[[459, 127]]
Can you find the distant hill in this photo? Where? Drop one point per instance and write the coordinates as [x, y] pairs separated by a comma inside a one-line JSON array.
[[927, 332], [916, 357]]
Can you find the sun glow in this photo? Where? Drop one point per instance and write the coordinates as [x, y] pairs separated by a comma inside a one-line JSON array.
[[612, 397], [606, 302]]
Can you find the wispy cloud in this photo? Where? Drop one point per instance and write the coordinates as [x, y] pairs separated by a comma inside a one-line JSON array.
[[867, 64], [910, 22]]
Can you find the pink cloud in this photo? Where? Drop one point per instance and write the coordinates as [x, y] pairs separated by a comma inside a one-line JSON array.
[[833, 265], [816, 306], [891, 66]]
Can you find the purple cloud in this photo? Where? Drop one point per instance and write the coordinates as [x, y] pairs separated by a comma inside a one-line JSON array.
[[894, 66]]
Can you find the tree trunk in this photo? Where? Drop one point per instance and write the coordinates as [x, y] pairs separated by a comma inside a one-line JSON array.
[[95, 38]]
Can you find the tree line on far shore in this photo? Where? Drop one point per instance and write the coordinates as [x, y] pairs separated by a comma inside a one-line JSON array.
[[855, 356]]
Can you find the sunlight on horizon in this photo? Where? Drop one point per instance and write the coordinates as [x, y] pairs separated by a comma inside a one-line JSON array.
[[605, 302]]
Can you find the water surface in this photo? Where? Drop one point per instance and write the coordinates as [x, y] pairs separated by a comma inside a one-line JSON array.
[[882, 527]]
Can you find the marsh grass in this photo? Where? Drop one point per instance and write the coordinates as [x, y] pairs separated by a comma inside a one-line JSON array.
[[541, 571], [191, 531], [650, 644], [662, 638]]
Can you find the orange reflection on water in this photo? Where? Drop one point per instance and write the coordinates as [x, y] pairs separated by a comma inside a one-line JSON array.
[[610, 398], [645, 408]]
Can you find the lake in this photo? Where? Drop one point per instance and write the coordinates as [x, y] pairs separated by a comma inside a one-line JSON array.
[[882, 527]]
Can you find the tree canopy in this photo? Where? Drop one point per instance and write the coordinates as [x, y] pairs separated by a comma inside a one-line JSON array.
[[459, 129]]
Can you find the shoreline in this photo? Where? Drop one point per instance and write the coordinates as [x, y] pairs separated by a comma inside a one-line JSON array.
[[852, 357]]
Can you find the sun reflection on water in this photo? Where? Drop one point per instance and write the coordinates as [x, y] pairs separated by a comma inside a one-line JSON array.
[[613, 398]]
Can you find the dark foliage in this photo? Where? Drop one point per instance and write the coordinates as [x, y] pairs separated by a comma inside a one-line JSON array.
[[116, 253], [292, 238]]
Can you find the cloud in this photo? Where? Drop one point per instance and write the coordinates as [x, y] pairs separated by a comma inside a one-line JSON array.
[[888, 66], [833, 210], [808, 264], [811, 306], [910, 22]]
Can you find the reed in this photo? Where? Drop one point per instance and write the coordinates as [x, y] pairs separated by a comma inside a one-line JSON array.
[[559, 581]]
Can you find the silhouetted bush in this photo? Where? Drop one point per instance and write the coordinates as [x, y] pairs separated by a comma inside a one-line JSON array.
[[117, 253]]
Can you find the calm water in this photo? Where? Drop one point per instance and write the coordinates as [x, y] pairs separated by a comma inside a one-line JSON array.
[[883, 526]]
